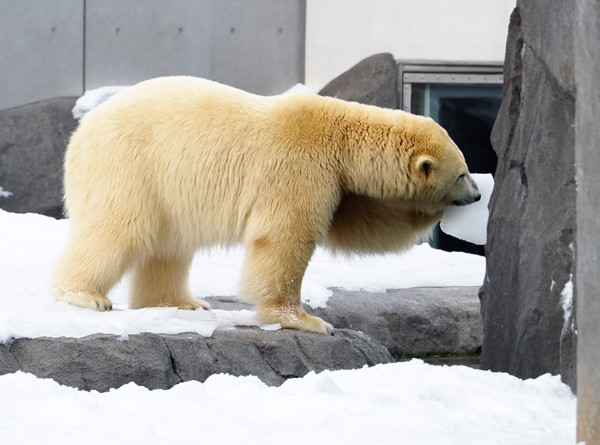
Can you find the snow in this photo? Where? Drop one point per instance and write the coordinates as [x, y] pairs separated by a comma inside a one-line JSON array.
[[401, 403], [31, 243], [409, 402], [5, 193], [93, 98], [299, 88], [566, 301], [469, 223]]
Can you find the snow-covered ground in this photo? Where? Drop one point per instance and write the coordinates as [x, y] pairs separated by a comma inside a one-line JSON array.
[[402, 403], [31, 243]]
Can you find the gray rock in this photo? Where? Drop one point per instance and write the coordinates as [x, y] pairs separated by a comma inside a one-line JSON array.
[[530, 253], [420, 322], [33, 139], [8, 364], [100, 362], [372, 81], [548, 32]]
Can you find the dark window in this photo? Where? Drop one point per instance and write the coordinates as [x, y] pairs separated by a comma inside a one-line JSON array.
[[464, 100]]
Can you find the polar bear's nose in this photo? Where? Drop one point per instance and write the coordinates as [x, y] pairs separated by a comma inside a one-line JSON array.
[[469, 199], [466, 201]]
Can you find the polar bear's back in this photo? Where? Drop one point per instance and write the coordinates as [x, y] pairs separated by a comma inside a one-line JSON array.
[[171, 152]]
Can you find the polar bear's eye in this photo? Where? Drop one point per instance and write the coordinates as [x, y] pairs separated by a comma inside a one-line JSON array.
[[461, 176]]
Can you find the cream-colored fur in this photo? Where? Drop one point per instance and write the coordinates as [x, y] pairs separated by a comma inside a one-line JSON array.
[[176, 164]]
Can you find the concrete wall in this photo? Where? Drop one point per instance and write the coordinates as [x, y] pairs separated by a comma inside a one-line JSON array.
[[62, 47], [340, 34], [587, 157], [41, 53]]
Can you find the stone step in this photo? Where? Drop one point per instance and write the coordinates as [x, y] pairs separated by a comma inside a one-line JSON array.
[[417, 322], [423, 322], [371, 328], [157, 361]]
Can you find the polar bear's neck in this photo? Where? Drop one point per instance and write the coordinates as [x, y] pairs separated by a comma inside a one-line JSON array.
[[366, 142], [374, 149]]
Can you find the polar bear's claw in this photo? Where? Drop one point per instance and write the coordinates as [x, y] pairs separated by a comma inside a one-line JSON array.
[[194, 304], [292, 317], [103, 306], [89, 300]]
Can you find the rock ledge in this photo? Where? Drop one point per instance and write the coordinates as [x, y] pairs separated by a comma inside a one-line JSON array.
[[101, 362]]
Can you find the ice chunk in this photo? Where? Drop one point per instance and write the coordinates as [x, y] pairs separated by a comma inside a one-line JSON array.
[[469, 223]]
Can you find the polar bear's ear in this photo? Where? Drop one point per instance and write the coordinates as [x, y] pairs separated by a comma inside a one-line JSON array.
[[425, 164]]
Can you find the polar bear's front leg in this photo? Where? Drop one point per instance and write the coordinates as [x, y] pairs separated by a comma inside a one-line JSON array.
[[93, 261], [272, 277]]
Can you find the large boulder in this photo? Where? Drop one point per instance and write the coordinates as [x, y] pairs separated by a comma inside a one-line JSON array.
[[33, 139], [526, 299], [372, 81], [159, 361]]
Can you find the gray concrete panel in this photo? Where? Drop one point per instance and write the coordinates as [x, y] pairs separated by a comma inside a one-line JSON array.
[[587, 159], [41, 52], [62, 47], [128, 41], [259, 45]]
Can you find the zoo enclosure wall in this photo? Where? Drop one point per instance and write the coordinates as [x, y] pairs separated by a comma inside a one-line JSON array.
[[62, 47]]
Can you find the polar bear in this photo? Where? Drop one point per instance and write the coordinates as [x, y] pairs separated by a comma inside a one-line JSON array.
[[176, 164]]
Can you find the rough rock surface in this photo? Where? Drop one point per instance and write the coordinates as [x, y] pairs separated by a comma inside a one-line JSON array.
[[530, 250], [372, 81], [420, 322], [101, 362], [8, 363], [33, 139]]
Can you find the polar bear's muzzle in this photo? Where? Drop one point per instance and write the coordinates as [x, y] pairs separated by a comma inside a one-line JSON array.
[[466, 191], [466, 201]]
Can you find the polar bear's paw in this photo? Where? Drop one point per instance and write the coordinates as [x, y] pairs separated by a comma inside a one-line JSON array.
[[311, 324], [292, 317], [192, 305], [89, 300]]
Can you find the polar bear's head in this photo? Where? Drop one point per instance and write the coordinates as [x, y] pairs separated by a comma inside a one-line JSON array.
[[401, 156], [439, 173]]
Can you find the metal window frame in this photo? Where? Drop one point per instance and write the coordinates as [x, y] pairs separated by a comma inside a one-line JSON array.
[[444, 73]]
